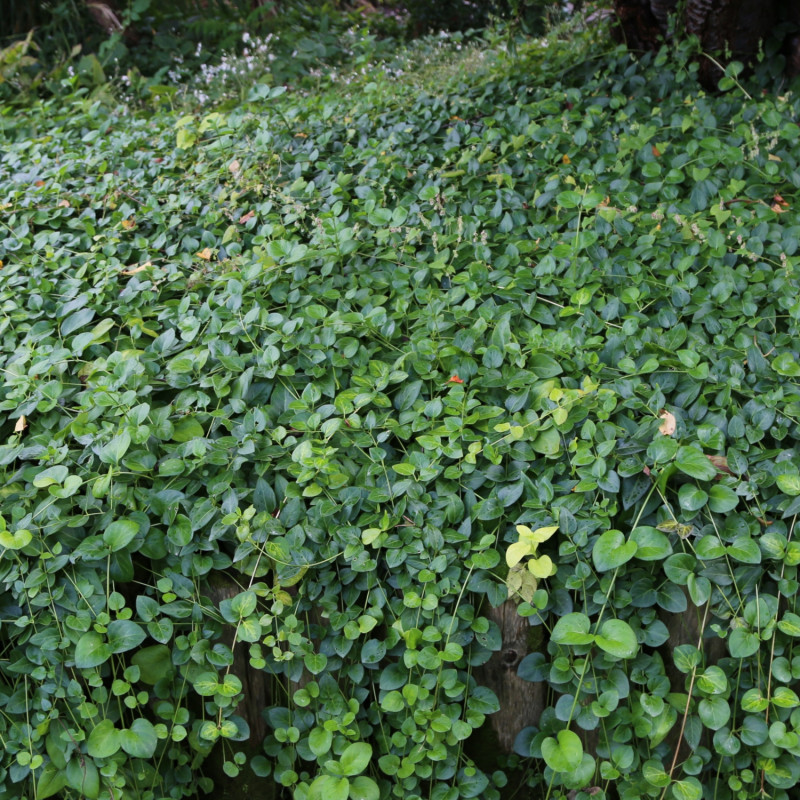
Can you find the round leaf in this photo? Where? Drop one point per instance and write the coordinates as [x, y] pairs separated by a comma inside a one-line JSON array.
[[355, 758]]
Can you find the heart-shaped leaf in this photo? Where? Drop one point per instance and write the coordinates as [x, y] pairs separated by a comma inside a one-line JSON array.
[[611, 550], [617, 638], [572, 629], [563, 753]]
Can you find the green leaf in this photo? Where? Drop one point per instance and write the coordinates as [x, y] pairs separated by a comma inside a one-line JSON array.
[[569, 199], [364, 788], [244, 604], [51, 475], [319, 741], [695, 463], [651, 544], [51, 781], [124, 635], [547, 442], [563, 753], [16, 540], [544, 366], [687, 789], [76, 321], [572, 629], [91, 651], [786, 364], [154, 663], [611, 550], [187, 429], [120, 533], [743, 643], [315, 662], [393, 702], [722, 499], [355, 757], [328, 787], [745, 550], [691, 497], [113, 452], [712, 681], [82, 776], [140, 740], [104, 740], [714, 712], [206, 684], [789, 484], [617, 638], [790, 624]]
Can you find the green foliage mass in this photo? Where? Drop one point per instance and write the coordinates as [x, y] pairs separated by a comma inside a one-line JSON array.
[[332, 350]]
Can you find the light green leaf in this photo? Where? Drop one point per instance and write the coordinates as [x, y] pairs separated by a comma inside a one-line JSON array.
[[364, 788], [611, 550], [563, 753], [319, 741], [572, 629], [140, 740], [617, 638], [355, 757], [103, 740]]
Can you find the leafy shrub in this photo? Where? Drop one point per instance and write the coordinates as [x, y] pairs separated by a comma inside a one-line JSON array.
[[371, 362]]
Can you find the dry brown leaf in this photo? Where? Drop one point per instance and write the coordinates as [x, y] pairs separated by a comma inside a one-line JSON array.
[[667, 427], [246, 217], [134, 270], [21, 424], [234, 166], [205, 254], [656, 151], [128, 224], [721, 463]]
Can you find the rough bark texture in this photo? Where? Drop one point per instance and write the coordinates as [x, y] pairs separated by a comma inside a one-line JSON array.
[[687, 628], [257, 688], [735, 28], [521, 702]]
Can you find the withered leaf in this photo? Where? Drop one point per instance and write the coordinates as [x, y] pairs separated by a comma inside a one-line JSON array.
[[667, 427]]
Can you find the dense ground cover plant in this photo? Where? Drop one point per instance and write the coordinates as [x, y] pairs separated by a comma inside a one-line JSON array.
[[380, 360]]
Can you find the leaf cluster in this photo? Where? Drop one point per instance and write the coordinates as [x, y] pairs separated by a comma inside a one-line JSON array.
[[337, 353]]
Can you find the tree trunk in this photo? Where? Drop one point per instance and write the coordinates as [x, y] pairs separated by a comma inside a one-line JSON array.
[[726, 28], [521, 702], [257, 688]]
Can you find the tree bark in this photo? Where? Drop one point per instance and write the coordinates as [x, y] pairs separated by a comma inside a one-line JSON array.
[[521, 702], [730, 29], [257, 689]]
